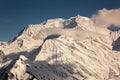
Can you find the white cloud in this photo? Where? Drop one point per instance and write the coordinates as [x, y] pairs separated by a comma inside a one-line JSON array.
[[105, 17]]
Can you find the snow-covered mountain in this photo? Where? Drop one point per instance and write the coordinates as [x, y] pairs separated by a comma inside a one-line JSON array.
[[62, 49]]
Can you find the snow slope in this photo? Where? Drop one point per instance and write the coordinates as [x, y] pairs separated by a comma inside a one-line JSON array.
[[62, 49]]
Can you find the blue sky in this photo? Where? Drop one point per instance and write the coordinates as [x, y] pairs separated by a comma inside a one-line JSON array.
[[16, 14]]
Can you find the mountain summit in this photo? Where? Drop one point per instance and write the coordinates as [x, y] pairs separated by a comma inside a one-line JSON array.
[[62, 49]]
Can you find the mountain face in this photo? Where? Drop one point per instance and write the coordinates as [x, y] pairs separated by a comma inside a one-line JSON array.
[[62, 49]]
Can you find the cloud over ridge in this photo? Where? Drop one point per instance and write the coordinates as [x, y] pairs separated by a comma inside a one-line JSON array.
[[105, 17]]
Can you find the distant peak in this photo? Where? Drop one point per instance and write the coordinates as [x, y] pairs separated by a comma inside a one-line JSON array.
[[78, 21]]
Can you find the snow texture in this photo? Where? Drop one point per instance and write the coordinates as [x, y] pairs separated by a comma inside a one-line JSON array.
[[62, 49]]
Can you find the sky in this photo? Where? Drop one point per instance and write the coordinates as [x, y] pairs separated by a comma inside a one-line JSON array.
[[17, 14]]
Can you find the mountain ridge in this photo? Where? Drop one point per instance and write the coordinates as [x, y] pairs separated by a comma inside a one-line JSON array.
[[62, 49]]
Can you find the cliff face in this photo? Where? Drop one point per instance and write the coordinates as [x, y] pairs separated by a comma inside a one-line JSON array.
[[62, 49]]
